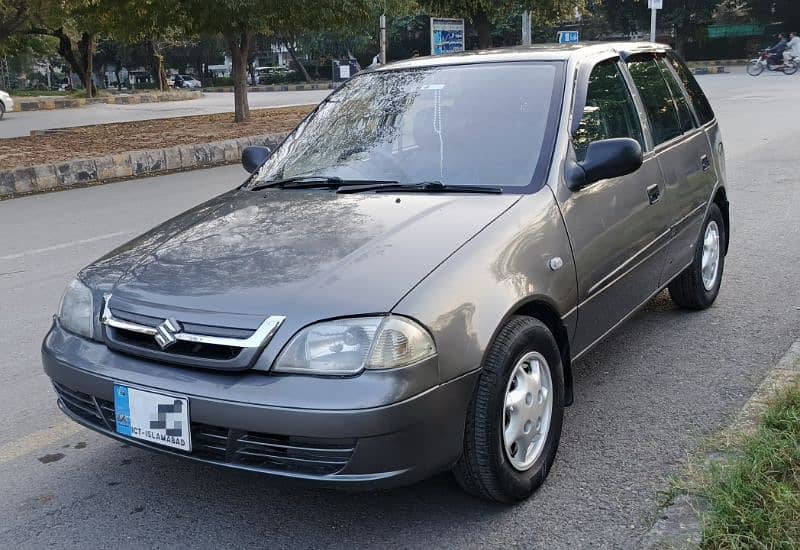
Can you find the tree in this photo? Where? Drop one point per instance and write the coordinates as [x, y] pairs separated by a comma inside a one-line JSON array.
[[14, 17], [293, 18], [687, 18], [155, 23], [484, 13], [237, 21], [76, 24]]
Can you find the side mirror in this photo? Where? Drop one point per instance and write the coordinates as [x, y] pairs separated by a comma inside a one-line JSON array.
[[253, 157], [607, 158]]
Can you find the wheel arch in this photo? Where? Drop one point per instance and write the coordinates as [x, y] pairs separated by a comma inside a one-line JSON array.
[[721, 200], [543, 311]]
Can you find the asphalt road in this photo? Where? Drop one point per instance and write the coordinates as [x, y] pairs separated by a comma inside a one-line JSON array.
[[21, 124], [644, 398]]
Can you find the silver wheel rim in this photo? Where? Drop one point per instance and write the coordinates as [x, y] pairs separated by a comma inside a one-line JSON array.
[[710, 261], [527, 410]]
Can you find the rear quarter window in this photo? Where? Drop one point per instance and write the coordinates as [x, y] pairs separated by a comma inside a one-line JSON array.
[[699, 100], [684, 114]]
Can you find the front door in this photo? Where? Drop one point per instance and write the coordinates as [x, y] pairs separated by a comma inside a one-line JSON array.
[[618, 227]]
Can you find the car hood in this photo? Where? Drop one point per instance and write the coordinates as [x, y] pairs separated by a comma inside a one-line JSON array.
[[307, 255]]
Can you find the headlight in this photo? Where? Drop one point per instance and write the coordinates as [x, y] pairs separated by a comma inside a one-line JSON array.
[[347, 346], [76, 310]]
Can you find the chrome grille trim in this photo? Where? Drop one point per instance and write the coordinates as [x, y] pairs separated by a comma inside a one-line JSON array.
[[260, 337]]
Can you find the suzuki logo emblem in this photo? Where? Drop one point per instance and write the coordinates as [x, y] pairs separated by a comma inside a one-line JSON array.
[[165, 333]]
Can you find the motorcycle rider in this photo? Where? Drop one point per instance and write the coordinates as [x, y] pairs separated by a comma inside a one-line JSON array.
[[792, 50], [775, 53]]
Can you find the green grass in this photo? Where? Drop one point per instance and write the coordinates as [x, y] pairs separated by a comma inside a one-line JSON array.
[[36, 93], [753, 500]]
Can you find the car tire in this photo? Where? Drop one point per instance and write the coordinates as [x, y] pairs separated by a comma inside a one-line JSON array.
[[486, 467], [2, 110], [694, 288]]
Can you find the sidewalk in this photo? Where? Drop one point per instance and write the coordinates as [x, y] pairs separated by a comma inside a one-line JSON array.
[[48, 103], [278, 87]]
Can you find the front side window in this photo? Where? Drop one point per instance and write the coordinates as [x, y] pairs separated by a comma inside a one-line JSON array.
[[609, 111], [488, 124], [656, 96]]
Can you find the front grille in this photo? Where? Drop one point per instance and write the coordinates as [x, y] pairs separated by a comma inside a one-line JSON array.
[[178, 349], [189, 338], [269, 452], [207, 330]]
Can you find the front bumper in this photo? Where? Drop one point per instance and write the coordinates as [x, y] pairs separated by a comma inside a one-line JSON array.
[[375, 446], [8, 102]]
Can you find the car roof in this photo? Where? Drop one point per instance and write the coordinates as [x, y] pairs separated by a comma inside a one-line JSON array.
[[537, 52]]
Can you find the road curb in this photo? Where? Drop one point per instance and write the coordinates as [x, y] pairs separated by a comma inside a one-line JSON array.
[[713, 69], [49, 104], [131, 164], [276, 88], [679, 524]]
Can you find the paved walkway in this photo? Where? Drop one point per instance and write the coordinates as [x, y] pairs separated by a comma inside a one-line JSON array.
[[21, 124]]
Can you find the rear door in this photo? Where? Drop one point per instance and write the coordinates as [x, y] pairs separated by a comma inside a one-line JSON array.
[[683, 153], [618, 227]]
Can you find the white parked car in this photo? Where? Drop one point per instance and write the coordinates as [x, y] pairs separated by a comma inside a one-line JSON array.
[[189, 82], [6, 103]]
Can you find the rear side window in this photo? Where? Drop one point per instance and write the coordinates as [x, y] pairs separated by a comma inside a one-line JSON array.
[[609, 111], [701, 105], [656, 97], [684, 114]]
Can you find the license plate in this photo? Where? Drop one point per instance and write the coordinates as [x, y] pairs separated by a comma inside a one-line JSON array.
[[153, 417]]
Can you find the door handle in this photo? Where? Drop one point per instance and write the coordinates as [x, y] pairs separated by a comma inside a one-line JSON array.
[[705, 163], [653, 193]]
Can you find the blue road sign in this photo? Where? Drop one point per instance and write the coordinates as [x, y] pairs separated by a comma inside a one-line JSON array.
[[568, 37]]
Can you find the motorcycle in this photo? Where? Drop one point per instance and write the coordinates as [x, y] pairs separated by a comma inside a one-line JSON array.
[[757, 66]]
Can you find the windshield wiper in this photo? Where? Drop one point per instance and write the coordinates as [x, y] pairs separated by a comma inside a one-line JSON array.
[[316, 182], [311, 180], [423, 186]]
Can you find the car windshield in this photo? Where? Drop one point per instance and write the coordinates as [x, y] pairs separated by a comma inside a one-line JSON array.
[[487, 124]]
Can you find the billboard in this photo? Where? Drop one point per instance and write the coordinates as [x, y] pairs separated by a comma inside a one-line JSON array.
[[447, 35]]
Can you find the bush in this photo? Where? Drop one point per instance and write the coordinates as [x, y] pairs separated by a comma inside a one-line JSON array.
[[145, 86], [222, 81], [320, 71], [286, 78]]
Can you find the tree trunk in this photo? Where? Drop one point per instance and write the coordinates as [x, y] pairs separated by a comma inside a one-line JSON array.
[[298, 64], [239, 45], [117, 69], [680, 41], [483, 28], [66, 50], [86, 49], [157, 66]]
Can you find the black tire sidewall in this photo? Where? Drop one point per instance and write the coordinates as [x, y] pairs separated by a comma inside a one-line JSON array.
[[515, 484]]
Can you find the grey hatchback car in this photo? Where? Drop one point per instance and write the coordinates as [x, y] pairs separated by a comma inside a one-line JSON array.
[[403, 285]]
